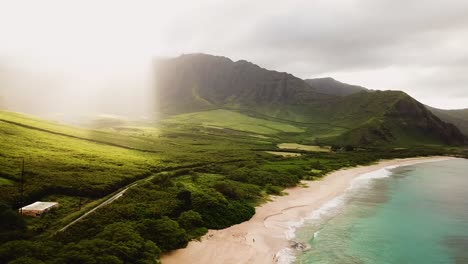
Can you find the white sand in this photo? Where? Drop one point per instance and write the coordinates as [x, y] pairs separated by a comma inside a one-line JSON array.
[[261, 238]]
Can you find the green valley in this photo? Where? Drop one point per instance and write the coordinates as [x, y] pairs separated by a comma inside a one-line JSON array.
[[199, 171], [130, 191]]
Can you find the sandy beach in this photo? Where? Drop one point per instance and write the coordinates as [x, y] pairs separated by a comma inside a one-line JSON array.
[[261, 238]]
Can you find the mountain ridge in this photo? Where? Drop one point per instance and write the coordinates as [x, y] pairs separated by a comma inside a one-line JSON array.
[[199, 82], [225, 82], [330, 86]]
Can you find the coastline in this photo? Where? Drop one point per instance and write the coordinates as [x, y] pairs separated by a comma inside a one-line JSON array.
[[260, 239]]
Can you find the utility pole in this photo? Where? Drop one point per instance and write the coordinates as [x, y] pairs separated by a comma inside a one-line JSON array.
[[81, 203], [22, 187]]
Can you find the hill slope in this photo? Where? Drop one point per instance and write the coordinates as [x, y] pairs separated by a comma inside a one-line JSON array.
[[62, 163], [197, 82], [399, 119], [330, 86]]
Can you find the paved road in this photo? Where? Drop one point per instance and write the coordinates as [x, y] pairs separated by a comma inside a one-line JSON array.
[[106, 202], [119, 194]]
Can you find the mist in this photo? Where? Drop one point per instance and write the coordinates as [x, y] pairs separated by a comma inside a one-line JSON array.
[[82, 88], [81, 57]]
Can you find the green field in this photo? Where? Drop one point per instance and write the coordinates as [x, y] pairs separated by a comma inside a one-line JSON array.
[[236, 121]]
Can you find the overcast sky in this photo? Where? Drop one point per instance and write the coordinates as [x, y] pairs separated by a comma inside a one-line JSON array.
[[419, 47]]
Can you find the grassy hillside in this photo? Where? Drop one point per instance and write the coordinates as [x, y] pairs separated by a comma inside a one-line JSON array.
[[149, 137], [391, 118], [62, 159], [236, 121], [58, 164]]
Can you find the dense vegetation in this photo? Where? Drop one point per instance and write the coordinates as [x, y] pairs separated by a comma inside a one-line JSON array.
[[184, 176]]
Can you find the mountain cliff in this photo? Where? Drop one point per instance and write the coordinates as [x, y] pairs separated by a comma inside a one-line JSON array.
[[200, 82]]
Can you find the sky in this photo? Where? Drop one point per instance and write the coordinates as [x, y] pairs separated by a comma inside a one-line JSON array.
[[93, 51]]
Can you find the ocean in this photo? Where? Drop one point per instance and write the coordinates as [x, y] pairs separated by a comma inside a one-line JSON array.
[[411, 214]]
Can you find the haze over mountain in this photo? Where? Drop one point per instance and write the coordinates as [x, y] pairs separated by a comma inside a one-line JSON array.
[[198, 82], [333, 87]]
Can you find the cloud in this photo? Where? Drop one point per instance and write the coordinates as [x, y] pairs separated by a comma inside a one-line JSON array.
[[414, 45]]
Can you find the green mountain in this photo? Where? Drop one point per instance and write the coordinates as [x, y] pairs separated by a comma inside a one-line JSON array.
[[197, 82], [200, 82], [458, 117]]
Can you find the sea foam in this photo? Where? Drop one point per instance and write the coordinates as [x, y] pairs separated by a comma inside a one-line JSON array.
[[328, 209], [285, 256]]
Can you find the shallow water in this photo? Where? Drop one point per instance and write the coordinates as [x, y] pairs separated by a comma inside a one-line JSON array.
[[412, 214]]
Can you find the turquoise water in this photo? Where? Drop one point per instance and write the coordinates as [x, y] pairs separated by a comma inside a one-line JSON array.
[[418, 214]]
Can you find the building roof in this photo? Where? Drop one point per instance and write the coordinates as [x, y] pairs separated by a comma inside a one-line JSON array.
[[39, 206]]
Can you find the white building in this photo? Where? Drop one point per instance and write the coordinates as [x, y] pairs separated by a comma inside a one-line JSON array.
[[38, 208]]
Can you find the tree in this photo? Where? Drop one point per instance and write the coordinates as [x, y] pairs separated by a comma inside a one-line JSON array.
[[166, 233], [24, 251], [190, 220], [125, 244], [10, 220], [185, 197], [26, 260]]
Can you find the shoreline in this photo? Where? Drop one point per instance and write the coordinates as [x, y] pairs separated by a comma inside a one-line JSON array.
[[260, 239]]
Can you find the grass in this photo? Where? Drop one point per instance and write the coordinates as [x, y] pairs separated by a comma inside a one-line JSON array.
[[4, 181], [236, 121], [62, 164]]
